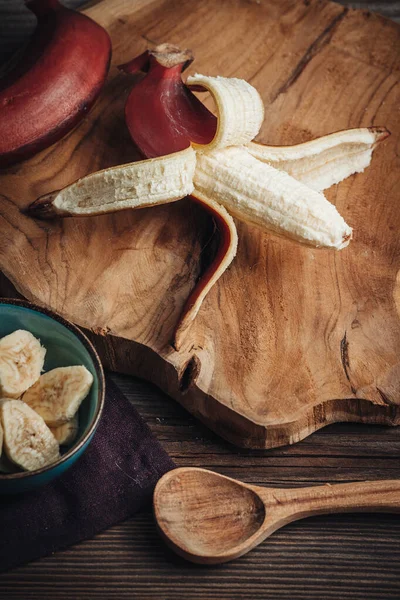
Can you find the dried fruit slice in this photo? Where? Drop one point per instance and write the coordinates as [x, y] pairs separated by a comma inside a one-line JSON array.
[[324, 161], [240, 110], [21, 362], [134, 185], [58, 394], [66, 434], [257, 193], [28, 442]]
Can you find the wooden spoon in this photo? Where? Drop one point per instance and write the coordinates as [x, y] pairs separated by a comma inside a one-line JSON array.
[[209, 518]]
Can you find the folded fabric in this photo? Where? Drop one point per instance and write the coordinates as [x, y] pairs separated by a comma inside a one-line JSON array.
[[113, 479]]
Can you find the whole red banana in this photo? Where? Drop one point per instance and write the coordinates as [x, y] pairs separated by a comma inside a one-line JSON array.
[[55, 83]]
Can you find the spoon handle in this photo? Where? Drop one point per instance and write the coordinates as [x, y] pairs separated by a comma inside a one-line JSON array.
[[377, 496]]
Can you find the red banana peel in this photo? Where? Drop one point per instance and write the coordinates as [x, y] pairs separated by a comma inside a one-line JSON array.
[[55, 83], [164, 116]]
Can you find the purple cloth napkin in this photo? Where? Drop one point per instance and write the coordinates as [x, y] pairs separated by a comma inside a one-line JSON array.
[[113, 479]]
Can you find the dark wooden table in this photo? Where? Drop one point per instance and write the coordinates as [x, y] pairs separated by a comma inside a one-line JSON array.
[[337, 557], [332, 557]]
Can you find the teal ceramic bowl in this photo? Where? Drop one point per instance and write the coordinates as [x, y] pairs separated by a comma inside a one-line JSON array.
[[66, 345]]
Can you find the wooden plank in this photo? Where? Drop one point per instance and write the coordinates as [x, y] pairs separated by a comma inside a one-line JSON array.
[[323, 558], [349, 556]]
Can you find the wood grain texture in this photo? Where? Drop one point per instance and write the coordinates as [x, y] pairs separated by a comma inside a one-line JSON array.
[[328, 558], [209, 518], [349, 557], [290, 339]]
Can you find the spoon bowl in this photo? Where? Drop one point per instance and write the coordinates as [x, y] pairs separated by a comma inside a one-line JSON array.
[[194, 504], [209, 518]]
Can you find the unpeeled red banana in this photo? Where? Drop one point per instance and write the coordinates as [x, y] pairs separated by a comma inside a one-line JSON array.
[[21, 362], [57, 395], [56, 81], [28, 442]]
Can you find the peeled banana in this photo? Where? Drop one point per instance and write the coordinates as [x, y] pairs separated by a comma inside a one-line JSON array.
[[257, 193], [135, 185], [28, 442], [66, 433], [58, 394], [21, 362], [276, 188]]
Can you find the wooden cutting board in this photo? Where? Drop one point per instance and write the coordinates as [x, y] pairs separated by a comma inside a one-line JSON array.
[[291, 338]]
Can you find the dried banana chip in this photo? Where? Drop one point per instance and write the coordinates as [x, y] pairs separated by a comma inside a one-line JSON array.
[[21, 362], [66, 434], [28, 442], [57, 395]]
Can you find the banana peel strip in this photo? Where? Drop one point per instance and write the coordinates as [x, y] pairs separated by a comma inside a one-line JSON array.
[[325, 161], [240, 110], [225, 255], [133, 185]]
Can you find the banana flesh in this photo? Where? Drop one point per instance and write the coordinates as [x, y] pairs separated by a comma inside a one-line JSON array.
[[257, 193], [21, 362], [66, 433], [240, 110], [134, 185], [57, 395], [26, 439], [28, 442], [325, 161]]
